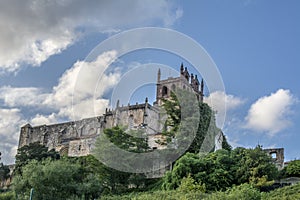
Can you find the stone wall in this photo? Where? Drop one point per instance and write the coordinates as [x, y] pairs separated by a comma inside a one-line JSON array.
[[277, 155], [77, 138]]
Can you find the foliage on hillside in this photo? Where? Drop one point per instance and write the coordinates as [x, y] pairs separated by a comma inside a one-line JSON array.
[[10, 195], [242, 192], [293, 169], [194, 176], [222, 169], [285, 193], [4, 173], [33, 151], [60, 179]]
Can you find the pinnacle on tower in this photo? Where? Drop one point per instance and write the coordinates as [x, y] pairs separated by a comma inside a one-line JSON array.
[[186, 74], [158, 75], [181, 68], [202, 86]]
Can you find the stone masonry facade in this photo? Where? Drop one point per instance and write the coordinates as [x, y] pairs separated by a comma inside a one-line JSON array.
[[77, 138]]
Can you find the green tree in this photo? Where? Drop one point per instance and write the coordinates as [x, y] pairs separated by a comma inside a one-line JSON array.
[[293, 169], [33, 151], [115, 181], [188, 184], [56, 179], [213, 170], [190, 121], [225, 144], [222, 169], [133, 141], [4, 173], [254, 166]]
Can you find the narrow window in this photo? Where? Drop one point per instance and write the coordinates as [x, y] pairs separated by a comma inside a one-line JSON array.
[[164, 91]]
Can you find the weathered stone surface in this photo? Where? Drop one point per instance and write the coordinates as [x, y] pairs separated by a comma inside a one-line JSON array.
[[77, 138], [277, 155]]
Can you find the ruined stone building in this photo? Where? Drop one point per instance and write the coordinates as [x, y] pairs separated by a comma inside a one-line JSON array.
[[76, 138], [277, 155]]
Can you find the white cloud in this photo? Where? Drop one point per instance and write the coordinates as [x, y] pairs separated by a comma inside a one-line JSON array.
[[41, 119], [77, 88], [14, 97], [222, 103], [10, 122], [271, 113], [87, 101], [31, 31]]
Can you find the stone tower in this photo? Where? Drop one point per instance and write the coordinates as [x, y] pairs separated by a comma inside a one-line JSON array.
[[185, 81]]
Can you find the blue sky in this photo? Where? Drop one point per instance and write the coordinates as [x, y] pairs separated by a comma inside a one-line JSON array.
[[254, 43]]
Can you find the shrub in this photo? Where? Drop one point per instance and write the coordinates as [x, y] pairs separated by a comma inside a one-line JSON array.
[[188, 184], [285, 193], [241, 192], [7, 196]]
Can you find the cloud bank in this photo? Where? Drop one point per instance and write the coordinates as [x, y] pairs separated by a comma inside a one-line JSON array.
[[10, 121], [60, 101], [271, 113], [32, 31]]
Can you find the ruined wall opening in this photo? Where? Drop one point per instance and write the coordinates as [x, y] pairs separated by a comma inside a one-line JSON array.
[[273, 155], [164, 91], [130, 122]]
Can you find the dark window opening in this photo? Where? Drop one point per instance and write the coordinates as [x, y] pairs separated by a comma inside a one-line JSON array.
[[164, 91]]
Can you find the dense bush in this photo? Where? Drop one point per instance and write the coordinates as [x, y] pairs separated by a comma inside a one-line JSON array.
[[7, 196], [159, 195], [285, 193], [242, 192], [293, 169], [223, 169], [60, 179]]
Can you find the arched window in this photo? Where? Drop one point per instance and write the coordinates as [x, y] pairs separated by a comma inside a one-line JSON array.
[[130, 121], [92, 131], [164, 91]]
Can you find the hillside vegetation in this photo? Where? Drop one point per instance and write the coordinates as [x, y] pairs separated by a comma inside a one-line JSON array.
[[242, 192], [227, 174]]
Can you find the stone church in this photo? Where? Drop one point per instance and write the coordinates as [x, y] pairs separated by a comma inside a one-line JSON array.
[[76, 138]]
